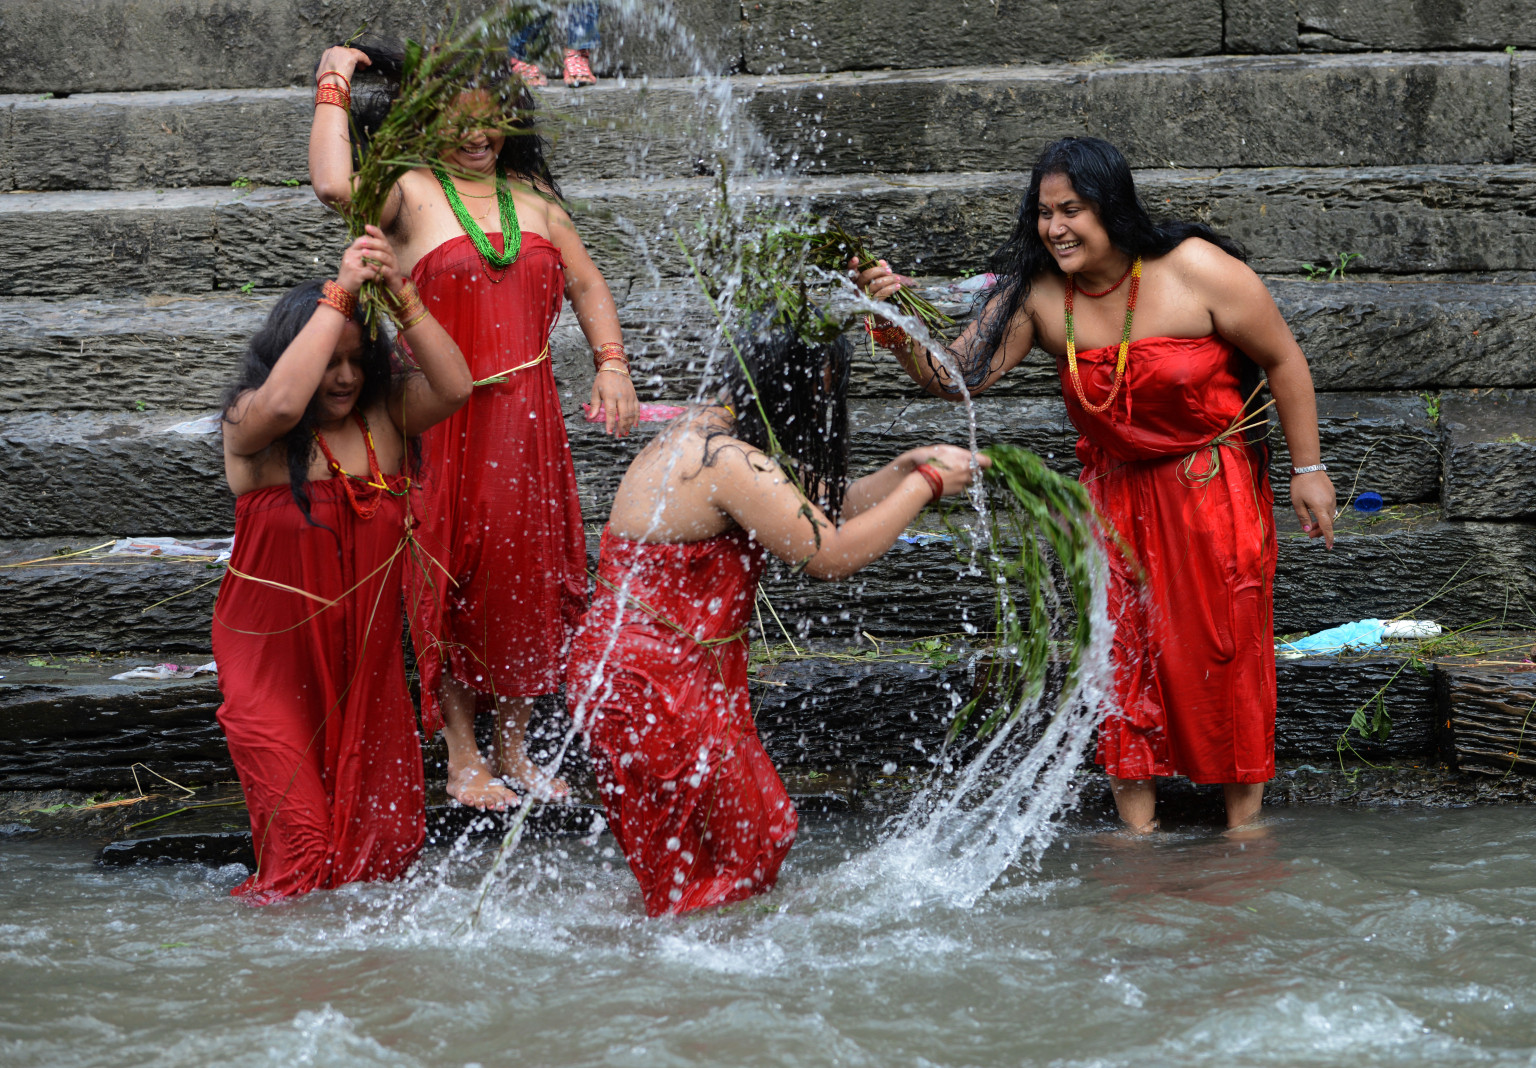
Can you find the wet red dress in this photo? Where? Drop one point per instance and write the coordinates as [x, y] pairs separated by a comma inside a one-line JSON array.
[[316, 711], [658, 681], [500, 515], [1194, 642]]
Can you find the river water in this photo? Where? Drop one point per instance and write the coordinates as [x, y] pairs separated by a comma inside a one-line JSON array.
[[1343, 937]]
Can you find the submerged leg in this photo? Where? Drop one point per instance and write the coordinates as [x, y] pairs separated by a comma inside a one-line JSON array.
[[1244, 800], [1136, 801], [470, 781], [512, 760]]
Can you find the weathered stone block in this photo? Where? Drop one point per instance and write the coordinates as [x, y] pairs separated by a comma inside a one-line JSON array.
[[1216, 112], [1344, 26], [74, 727], [1523, 105], [1406, 560], [1488, 714], [123, 473], [828, 35], [57, 244], [115, 45], [1412, 335], [1490, 454], [1381, 442], [103, 606], [1262, 26]]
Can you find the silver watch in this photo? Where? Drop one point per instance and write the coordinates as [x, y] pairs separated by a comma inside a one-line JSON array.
[[1308, 469]]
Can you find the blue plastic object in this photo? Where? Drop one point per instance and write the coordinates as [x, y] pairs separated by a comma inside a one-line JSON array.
[[1361, 634], [1369, 501]]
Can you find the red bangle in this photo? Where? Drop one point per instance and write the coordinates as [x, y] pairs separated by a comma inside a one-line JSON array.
[[889, 336], [333, 295], [933, 478], [331, 93]]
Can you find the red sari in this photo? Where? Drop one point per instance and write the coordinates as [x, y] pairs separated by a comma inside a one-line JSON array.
[[1194, 646], [503, 584], [316, 711], [691, 795]]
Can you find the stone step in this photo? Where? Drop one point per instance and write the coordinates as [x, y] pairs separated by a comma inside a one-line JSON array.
[[1399, 220], [1488, 713], [1331, 26], [1490, 454], [1405, 560], [145, 473], [1234, 112], [111, 45], [117, 353], [186, 44], [66, 724]]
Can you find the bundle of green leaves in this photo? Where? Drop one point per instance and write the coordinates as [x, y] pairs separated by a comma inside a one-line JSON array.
[[459, 83]]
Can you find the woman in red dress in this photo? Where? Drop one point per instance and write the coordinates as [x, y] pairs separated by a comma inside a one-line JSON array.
[[1156, 330], [306, 629], [501, 581], [658, 673]]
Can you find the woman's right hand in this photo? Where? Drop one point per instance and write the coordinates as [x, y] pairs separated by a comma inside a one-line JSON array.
[[367, 258], [951, 462], [343, 60]]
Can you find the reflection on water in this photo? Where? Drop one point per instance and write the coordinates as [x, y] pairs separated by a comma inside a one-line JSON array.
[[1363, 937]]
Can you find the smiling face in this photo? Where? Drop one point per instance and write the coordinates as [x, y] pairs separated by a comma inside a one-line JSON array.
[[479, 145], [343, 381], [1070, 227]]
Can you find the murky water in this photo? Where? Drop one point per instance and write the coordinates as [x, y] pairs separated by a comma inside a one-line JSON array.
[[1345, 937]]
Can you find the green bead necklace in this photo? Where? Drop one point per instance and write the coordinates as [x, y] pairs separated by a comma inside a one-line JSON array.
[[511, 232]]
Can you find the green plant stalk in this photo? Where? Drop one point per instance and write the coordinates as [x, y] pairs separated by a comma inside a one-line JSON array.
[[1041, 510]]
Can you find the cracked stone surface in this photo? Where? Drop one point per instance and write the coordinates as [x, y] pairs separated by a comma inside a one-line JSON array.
[[1490, 454]]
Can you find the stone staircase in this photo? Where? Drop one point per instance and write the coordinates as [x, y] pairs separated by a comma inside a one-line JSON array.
[[153, 202]]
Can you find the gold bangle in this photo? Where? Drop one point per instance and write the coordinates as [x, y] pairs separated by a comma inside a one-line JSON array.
[[414, 321], [618, 371]]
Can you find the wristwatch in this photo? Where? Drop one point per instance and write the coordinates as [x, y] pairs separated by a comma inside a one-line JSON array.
[[1308, 469]]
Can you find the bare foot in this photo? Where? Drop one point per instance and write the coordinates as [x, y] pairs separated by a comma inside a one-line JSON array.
[[475, 787], [1246, 832], [533, 780]]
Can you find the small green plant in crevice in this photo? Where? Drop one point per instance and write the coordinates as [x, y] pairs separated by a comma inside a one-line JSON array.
[[242, 183], [1331, 274], [1431, 406], [1510, 439], [139, 406], [248, 287], [291, 183]]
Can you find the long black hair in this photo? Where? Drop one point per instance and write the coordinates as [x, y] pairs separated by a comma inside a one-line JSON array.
[[376, 87], [1100, 175], [794, 392], [288, 316]]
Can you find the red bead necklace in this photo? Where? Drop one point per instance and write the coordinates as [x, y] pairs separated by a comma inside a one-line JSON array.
[[365, 504]]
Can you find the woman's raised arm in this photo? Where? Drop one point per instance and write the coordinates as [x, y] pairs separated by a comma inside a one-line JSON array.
[[330, 133], [260, 416], [755, 492], [921, 364]]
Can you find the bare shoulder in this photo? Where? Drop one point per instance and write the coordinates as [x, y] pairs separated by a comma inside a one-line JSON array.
[[1208, 269]]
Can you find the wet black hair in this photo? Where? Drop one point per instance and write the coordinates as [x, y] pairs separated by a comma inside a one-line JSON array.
[[375, 87], [289, 316], [802, 389], [1100, 175]]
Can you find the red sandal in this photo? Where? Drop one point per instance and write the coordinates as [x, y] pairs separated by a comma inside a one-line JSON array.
[[530, 74], [578, 68]]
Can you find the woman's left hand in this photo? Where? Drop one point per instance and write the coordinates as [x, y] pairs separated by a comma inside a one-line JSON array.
[[613, 394], [878, 281], [1313, 499]]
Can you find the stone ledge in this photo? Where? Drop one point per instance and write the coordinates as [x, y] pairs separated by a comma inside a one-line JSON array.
[[1329, 26], [1490, 454], [85, 472], [1400, 220], [71, 728], [107, 45], [791, 36], [112, 354], [1488, 715], [1463, 573], [1235, 112]]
